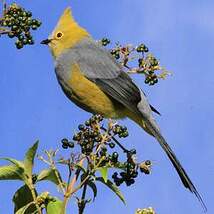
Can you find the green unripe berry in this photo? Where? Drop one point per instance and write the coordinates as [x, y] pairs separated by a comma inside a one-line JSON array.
[[77, 137], [135, 174], [34, 27], [115, 156], [39, 23], [18, 31], [4, 24], [146, 49], [34, 21], [148, 162], [64, 146], [146, 80], [71, 144], [125, 134], [64, 141], [20, 37], [87, 123], [25, 42], [111, 145], [30, 41], [11, 34], [26, 28], [155, 80], [28, 14], [9, 24], [151, 82], [98, 138], [133, 152], [14, 28], [24, 14], [27, 34], [15, 15], [81, 127], [20, 18], [19, 44]]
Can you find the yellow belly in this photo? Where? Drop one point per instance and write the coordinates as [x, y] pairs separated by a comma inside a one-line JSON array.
[[90, 96]]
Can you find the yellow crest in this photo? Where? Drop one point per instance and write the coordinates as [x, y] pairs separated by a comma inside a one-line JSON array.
[[66, 33], [66, 18]]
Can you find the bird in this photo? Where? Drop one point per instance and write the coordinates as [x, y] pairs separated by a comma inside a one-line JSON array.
[[92, 79]]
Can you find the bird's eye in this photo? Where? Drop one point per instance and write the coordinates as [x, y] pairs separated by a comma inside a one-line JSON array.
[[59, 35]]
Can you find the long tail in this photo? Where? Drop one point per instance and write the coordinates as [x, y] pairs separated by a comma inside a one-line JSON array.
[[154, 130]]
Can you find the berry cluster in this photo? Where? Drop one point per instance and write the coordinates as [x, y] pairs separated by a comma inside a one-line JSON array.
[[145, 166], [151, 79], [67, 144], [115, 53], [19, 23], [107, 159], [95, 142], [142, 48], [105, 42], [149, 65], [121, 131], [89, 134], [130, 171]]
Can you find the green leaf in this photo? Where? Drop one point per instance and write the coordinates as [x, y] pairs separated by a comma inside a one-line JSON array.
[[11, 172], [17, 163], [80, 168], [50, 175], [104, 173], [24, 210], [29, 158], [113, 187], [93, 186], [21, 199], [54, 206]]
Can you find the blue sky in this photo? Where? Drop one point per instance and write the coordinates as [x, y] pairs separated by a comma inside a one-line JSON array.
[[180, 34]]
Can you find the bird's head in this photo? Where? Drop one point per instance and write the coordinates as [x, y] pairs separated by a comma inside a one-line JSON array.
[[66, 34]]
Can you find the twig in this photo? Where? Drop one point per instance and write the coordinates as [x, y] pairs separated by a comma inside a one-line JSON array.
[[117, 142], [82, 202], [4, 31], [69, 190], [33, 193]]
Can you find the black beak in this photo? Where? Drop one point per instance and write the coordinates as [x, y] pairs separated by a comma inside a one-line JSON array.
[[45, 42]]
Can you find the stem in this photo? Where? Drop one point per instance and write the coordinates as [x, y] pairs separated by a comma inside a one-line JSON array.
[[82, 202], [33, 192], [58, 179], [69, 190], [117, 142], [3, 31]]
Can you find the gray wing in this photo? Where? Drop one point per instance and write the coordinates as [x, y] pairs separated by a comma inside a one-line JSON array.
[[100, 67]]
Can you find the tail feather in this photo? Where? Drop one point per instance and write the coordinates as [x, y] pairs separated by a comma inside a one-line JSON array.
[[152, 127]]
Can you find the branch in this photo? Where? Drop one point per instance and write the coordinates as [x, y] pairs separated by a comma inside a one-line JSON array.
[[4, 31]]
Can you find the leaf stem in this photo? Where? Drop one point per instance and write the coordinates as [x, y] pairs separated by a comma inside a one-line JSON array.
[[33, 192]]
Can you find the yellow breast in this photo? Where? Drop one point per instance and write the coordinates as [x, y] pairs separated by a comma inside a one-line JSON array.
[[88, 94]]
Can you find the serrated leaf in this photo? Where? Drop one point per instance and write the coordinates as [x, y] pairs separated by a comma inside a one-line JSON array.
[[93, 186], [50, 175], [29, 158], [104, 173], [24, 210], [113, 187], [21, 199], [54, 206], [11, 172]]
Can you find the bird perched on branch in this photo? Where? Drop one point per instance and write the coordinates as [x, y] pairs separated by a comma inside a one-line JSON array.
[[94, 81]]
